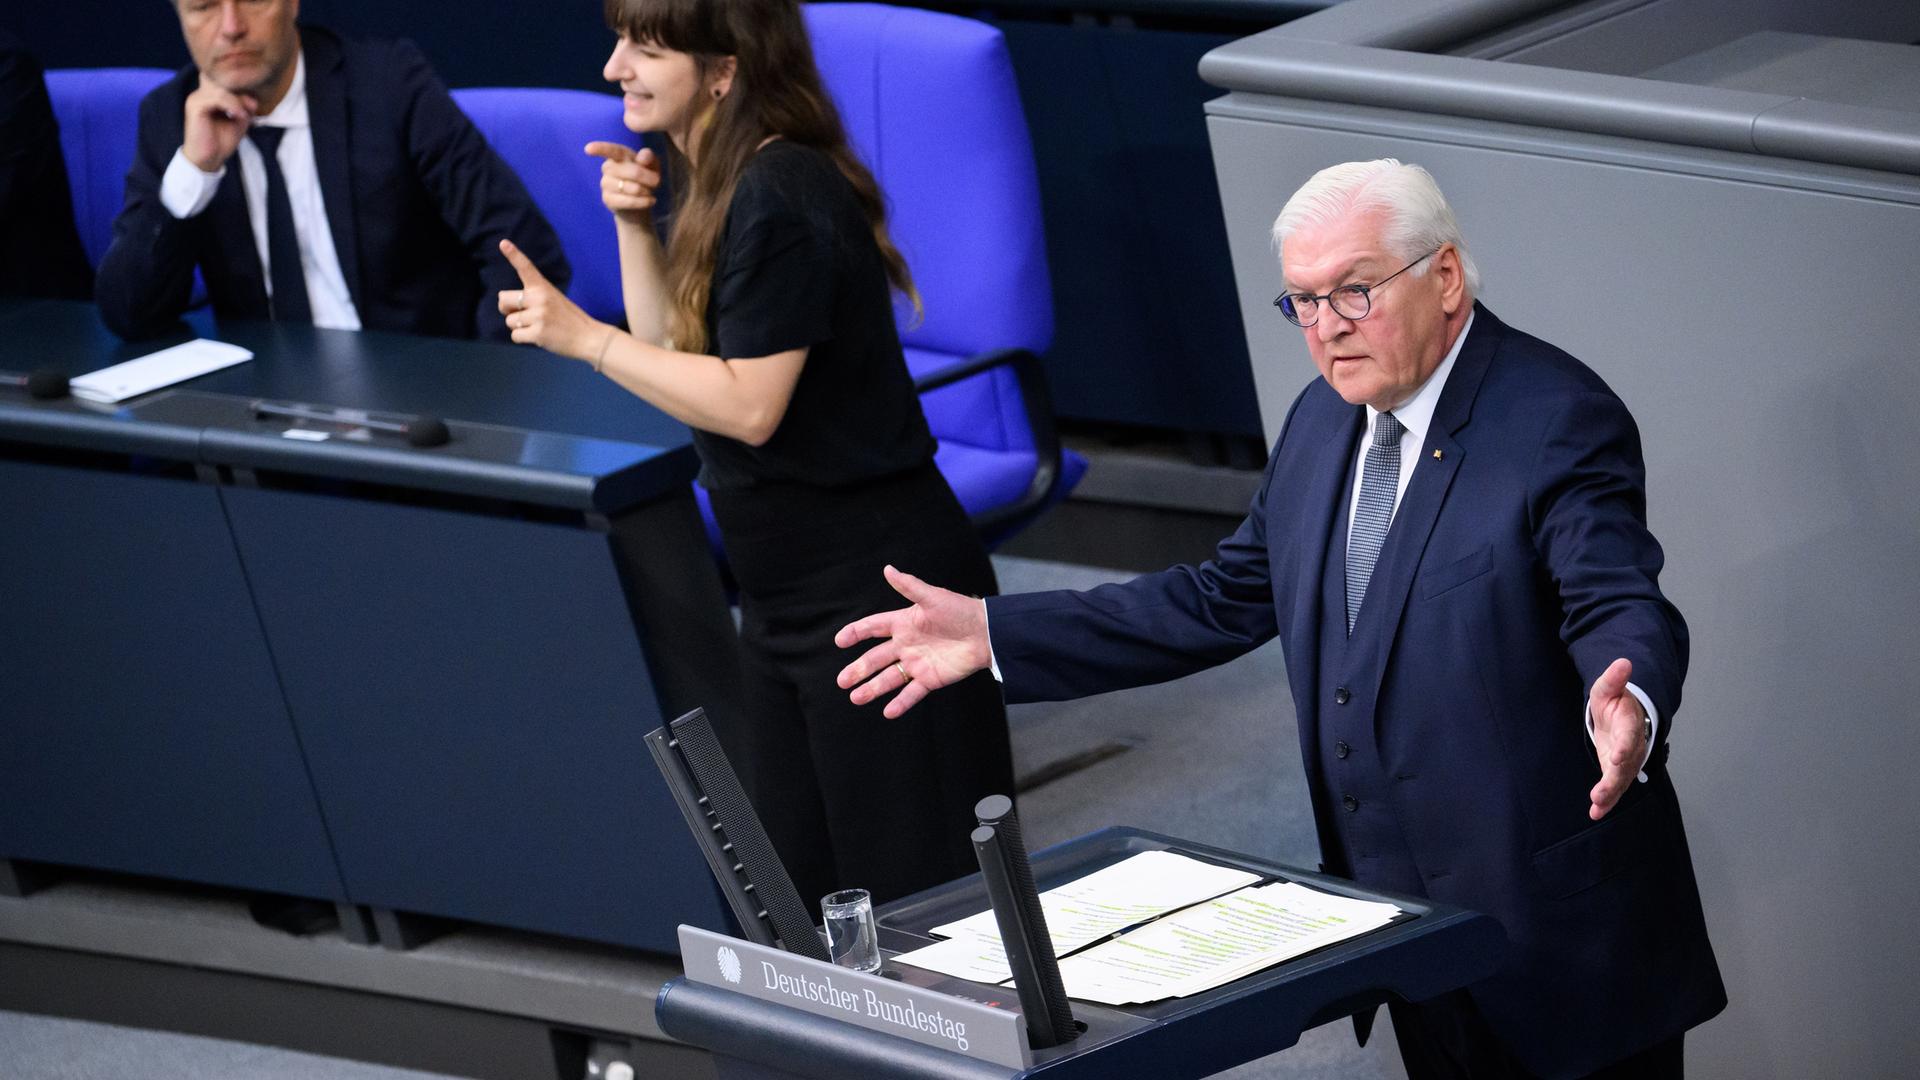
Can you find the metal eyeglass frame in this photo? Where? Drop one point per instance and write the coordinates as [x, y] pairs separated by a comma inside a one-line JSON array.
[[1288, 303]]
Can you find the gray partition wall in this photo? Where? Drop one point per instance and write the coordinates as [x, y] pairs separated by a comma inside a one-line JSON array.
[[1717, 206]]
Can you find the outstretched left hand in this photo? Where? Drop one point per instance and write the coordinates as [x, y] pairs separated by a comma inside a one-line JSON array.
[[1619, 736], [539, 314]]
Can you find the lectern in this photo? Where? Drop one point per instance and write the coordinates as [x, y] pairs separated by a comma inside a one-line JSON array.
[[831, 1028]]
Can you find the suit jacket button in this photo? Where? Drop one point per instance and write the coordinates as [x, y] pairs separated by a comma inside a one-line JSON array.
[[1350, 803], [1341, 696], [1341, 749]]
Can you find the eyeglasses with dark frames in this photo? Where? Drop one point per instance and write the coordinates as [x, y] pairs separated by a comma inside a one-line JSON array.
[[1351, 302]]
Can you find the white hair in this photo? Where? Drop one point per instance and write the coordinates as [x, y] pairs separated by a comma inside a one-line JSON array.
[[1418, 219]]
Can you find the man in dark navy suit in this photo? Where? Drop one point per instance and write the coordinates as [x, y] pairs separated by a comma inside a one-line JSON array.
[[317, 180], [1451, 542]]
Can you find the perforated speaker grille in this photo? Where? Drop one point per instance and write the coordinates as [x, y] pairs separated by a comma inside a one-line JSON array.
[[753, 853]]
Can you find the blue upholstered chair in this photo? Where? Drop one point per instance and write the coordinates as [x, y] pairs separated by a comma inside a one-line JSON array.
[[930, 103], [542, 134], [99, 114]]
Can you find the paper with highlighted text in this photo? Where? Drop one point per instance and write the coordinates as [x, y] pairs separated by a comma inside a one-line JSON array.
[[1222, 927], [1083, 911], [1214, 943]]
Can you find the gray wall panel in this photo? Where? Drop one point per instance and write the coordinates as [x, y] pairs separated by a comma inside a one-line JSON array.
[[1777, 408], [1637, 36]]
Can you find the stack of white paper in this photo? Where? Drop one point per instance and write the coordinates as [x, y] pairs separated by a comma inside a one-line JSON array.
[[1217, 942], [156, 370], [1216, 938], [1084, 911]]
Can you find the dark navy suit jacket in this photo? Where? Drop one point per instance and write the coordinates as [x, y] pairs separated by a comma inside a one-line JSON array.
[[1519, 565], [416, 200]]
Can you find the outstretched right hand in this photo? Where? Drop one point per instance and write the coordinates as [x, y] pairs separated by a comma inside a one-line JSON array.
[[939, 640], [216, 120], [629, 179]]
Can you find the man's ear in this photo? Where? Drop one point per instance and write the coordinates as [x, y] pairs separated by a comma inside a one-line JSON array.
[[1453, 279]]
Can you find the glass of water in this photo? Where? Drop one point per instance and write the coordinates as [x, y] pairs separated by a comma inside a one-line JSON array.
[[852, 939]]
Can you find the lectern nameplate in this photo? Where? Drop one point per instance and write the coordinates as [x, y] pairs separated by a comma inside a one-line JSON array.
[[971, 1028]]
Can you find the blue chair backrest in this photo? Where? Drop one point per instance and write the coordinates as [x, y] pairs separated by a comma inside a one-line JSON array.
[[99, 114], [542, 133], [931, 105]]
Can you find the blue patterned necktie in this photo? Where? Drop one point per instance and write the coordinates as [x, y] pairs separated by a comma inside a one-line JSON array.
[[1379, 484], [289, 300]]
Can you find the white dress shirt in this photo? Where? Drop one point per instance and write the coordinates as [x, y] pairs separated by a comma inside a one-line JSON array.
[[186, 192], [1416, 415]]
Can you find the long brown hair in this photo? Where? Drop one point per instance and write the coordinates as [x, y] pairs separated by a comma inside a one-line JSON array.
[[776, 91]]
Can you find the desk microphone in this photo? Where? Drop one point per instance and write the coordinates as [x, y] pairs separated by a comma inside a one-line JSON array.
[[1023, 923], [45, 384], [422, 431]]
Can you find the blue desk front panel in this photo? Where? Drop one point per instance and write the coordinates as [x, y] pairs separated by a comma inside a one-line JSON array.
[[141, 726], [472, 695]]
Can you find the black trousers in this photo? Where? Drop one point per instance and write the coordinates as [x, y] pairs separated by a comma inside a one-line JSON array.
[[849, 798], [1448, 1039]]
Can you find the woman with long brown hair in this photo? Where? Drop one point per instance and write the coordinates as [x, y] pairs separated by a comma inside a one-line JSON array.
[[765, 323]]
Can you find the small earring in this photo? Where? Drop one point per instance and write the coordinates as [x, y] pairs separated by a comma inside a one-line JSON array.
[[718, 93]]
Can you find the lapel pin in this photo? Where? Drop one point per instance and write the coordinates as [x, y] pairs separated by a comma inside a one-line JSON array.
[[1436, 454]]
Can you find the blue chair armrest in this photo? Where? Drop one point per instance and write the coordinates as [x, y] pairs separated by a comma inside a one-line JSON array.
[[1001, 521]]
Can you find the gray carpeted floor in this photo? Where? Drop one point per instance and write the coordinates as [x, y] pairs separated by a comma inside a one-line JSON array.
[[1212, 758], [46, 1048]]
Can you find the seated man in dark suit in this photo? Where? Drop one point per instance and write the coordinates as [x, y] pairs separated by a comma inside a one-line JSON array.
[[1451, 544], [362, 196], [40, 253]]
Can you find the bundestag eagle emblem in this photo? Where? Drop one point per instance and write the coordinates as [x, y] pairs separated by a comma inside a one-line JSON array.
[[729, 964]]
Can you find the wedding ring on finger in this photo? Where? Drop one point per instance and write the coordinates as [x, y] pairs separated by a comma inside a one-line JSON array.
[[904, 677]]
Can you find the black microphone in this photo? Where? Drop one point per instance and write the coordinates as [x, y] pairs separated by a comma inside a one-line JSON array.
[[422, 431], [45, 384], [1022, 922], [427, 431]]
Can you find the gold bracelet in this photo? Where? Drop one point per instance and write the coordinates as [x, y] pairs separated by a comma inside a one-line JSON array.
[[604, 342]]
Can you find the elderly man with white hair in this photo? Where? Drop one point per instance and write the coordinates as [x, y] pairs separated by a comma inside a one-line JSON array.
[[1451, 542]]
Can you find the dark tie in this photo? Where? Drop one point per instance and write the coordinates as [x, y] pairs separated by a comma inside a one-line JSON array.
[[283, 246], [1379, 483]]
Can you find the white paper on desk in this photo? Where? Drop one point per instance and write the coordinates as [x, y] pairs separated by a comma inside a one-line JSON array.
[[1082, 911], [1217, 942], [980, 959], [156, 371], [1109, 900]]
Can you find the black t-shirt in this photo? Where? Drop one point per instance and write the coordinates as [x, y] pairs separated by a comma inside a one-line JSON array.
[[797, 267]]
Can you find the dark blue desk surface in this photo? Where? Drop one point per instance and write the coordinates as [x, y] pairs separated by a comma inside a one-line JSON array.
[[379, 695], [516, 412]]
